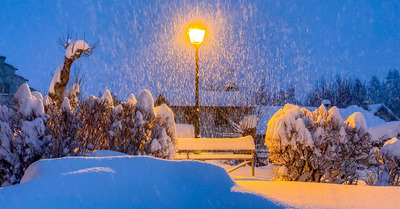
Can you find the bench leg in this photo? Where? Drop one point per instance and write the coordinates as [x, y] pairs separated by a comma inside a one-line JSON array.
[[252, 166]]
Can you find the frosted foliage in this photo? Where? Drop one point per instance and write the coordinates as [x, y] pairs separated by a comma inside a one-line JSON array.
[[107, 98], [27, 103], [391, 148], [56, 78], [388, 159], [33, 129], [165, 118], [5, 113], [73, 92], [22, 92], [5, 136], [65, 106], [357, 121], [163, 133], [73, 48], [132, 100], [317, 146], [145, 104], [37, 95]]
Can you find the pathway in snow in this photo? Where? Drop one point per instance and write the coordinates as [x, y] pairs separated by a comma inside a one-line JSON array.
[[314, 195], [317, 195]]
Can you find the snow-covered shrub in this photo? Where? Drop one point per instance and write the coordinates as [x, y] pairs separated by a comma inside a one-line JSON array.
[[27, 128], [389, 159], [163, 133], [317, 146], [63, 127], [130, 127]]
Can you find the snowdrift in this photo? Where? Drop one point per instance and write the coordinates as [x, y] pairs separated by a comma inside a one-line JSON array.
[[127, 182]]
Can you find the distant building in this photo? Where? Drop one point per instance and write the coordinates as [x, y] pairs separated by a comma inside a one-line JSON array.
[[9, 81], [382, 111], [326, 103], [216, 109]]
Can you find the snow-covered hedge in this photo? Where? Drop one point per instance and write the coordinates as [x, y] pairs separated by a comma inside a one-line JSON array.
[[388, 157], [38, 127], [318, 146]]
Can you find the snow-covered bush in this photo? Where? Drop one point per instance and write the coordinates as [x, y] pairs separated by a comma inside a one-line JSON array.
[[38, 127], [132, 127], [163, 133], [23, 134], [389, 159], [318, 146], [63, 127]]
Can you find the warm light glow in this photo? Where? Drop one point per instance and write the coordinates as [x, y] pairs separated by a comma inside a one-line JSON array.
[[196, 35]]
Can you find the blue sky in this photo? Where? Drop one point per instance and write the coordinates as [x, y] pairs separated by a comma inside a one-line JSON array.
[[142, 44]]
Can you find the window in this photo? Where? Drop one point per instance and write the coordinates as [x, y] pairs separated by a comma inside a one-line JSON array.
[[6, 88]]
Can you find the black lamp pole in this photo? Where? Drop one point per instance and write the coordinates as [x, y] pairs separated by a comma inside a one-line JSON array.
[[197, 108]]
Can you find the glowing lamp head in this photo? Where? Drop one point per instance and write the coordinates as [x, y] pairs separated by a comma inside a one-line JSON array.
[[196, 35]]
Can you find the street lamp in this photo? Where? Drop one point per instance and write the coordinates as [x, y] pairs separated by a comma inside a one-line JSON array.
[[196, 35]]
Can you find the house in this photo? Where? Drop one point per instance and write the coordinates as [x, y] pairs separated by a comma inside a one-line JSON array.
[[217, 107], [382, 111], [9, 81]]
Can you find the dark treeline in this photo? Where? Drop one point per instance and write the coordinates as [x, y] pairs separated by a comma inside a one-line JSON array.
[[343, 92]]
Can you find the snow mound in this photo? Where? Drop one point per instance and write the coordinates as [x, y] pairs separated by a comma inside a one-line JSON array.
[[107, 98], [145, 104], [127, 182], [391, 148], [28, 103], [357, 121]]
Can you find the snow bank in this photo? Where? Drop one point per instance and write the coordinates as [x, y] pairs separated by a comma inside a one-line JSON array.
[[127, 182]]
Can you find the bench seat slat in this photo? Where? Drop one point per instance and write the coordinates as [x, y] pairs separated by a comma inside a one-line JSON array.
[[184, 156]]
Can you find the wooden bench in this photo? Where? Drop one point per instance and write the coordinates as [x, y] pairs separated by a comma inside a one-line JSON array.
[[242, 148]]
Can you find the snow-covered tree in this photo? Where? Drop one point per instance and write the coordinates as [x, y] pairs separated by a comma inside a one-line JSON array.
[[317, 146], [73, 51]]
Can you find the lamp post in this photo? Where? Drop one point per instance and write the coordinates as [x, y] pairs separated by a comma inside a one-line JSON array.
[[196, 35]]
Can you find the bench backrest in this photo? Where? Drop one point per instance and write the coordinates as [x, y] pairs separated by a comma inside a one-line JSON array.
[[244, 144]]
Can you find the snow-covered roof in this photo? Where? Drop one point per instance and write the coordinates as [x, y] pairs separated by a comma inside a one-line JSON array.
[[326, 101], [373, 108], [210, 99], [370, 118]]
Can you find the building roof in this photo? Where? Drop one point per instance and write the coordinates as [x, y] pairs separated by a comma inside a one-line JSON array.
[[210, 99], [373, 108]]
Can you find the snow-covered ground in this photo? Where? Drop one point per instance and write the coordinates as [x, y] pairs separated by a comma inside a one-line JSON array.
[[109, 179], [314, 195], [127, 182]]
